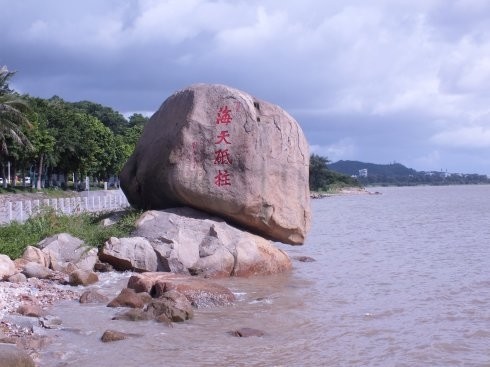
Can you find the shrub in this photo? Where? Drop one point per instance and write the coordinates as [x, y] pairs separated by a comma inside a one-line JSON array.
[[15, 237]]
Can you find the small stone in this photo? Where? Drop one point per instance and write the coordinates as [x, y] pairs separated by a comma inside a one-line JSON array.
[[103, 267], [112, 336], [30, 309], [17, 278], [35, 270], [135, 314], [304, 259], [50, 322], [246, 332]]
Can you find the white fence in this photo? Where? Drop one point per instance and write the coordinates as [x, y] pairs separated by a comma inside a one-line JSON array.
[[21, 210]]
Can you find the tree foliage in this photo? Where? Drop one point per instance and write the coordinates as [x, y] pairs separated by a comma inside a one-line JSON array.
[[65, 139]]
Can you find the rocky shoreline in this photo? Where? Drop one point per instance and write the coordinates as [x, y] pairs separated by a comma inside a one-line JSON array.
[[171, 262]]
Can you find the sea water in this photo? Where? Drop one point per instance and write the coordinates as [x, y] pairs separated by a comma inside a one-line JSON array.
[[400, 279]]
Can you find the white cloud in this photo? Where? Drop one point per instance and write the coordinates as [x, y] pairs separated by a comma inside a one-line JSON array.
[[342, 149], [466, 137]]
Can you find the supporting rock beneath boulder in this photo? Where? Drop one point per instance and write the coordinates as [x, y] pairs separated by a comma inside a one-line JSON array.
[[184, 240]]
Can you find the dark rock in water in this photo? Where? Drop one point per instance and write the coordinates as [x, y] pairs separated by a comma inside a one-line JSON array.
[[135, 314], [113, 335], [246, 332], [304, 259], [173, 305], [103, 267], [11, 356], [163, 319], [83, 277], [200, 292], [129, 298], [223, 151], [92, 296], [50, 322]]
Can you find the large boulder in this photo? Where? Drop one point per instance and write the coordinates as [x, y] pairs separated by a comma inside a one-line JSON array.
[[223, 151], [192, 242]]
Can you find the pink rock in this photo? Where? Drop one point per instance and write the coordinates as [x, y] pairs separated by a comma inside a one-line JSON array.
[[223, 151]]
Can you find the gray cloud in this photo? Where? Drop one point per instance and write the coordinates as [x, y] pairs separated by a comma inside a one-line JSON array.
[[377, 81]]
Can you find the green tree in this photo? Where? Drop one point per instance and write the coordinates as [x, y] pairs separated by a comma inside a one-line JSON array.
[[321, 178], [110, 118], [14, 113], [319, 172]]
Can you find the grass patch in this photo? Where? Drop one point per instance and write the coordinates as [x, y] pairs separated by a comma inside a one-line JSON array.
[[15, 237]]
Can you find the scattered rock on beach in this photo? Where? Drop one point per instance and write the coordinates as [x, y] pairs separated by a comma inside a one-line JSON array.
[[7, 266], [11, 356], [134, 253], [93, 296], [200, 292], [62, 249], [36, 270], [83, 277], [129, 298]]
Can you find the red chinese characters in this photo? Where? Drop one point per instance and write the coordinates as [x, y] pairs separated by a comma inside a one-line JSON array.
[[222, 157], [224, 116], [222, 178]]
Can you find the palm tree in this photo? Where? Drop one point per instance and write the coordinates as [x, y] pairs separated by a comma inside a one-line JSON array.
[[13, 112]]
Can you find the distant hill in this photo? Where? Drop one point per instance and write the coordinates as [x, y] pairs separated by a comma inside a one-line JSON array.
[[352, 168], [399, 175]]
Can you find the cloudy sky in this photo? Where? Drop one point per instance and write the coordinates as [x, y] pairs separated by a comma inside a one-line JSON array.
[[371, 80]]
